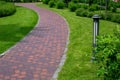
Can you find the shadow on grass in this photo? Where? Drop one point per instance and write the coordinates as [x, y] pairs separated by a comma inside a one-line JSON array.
[[13, 32]]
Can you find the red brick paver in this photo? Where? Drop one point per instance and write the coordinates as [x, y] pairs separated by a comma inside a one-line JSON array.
[[37, 56]]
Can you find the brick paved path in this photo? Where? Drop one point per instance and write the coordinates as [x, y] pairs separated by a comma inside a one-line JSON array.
[[37, 56]]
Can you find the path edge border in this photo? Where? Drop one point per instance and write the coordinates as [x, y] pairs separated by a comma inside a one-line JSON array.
[[5, 52], [63, 58]]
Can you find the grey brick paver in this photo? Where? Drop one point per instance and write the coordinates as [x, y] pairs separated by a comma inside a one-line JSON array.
[[37, 56]]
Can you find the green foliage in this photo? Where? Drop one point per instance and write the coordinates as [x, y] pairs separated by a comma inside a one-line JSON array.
[[79, 11], [117, 32], [118, 19], [108, 16], [84, 13], [26, 1], [90, 14], [113, 9], [45, 1], [51, 3], [66, 2], [73, 6], [115, 18], [85, 6], [83, 1], [60, 5], [22, 0], [114, 4], [93, 7], [7, 9], [103, 16], [108, 56], [75, 1]]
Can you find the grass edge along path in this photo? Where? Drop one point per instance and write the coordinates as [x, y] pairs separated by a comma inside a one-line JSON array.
[[78, 64], [15, 27]]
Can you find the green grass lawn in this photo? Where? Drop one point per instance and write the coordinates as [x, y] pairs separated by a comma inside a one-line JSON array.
[[78, 65], [14, 28]]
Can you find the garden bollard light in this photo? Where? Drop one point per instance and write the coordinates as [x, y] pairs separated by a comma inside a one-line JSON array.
[[95, 33]]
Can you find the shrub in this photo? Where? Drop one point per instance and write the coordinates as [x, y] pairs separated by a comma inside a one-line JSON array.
[[108, 16], [45, 1], [2, 2], [101, 7], [118, 19], [116, 32], [79, 6], [75, 1], [93, 7], [113, 9], [85, 6], [108, 56], [51, 3], [23, 0], [66, 2], [114, 18], [72, 6], [83, 1], [60, 5], [79, 11], [7, 9], [102, 15], [90, 14], [84, 13]]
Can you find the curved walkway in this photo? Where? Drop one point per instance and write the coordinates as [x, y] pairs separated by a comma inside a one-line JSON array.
[[38, 55]]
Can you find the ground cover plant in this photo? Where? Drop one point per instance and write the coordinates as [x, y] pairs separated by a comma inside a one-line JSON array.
[[78, 65], [14, 28]]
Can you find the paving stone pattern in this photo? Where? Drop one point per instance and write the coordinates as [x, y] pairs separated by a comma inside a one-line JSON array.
[[37, 56]]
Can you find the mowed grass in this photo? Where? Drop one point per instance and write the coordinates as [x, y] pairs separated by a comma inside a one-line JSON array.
[[78, 65], [14, 28]]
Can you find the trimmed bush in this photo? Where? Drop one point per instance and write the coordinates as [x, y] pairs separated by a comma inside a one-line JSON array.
[[75, 1], [72, 6], [60, 5], [45, 1], [25, 1], [7, 9], [118, 19], [93, 7], [51, 3], [2, 2], [102, 16], [79, 11], [108, 16], [113, 9], [90, 14], [114, 18], [85, 6], [84, 13]]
